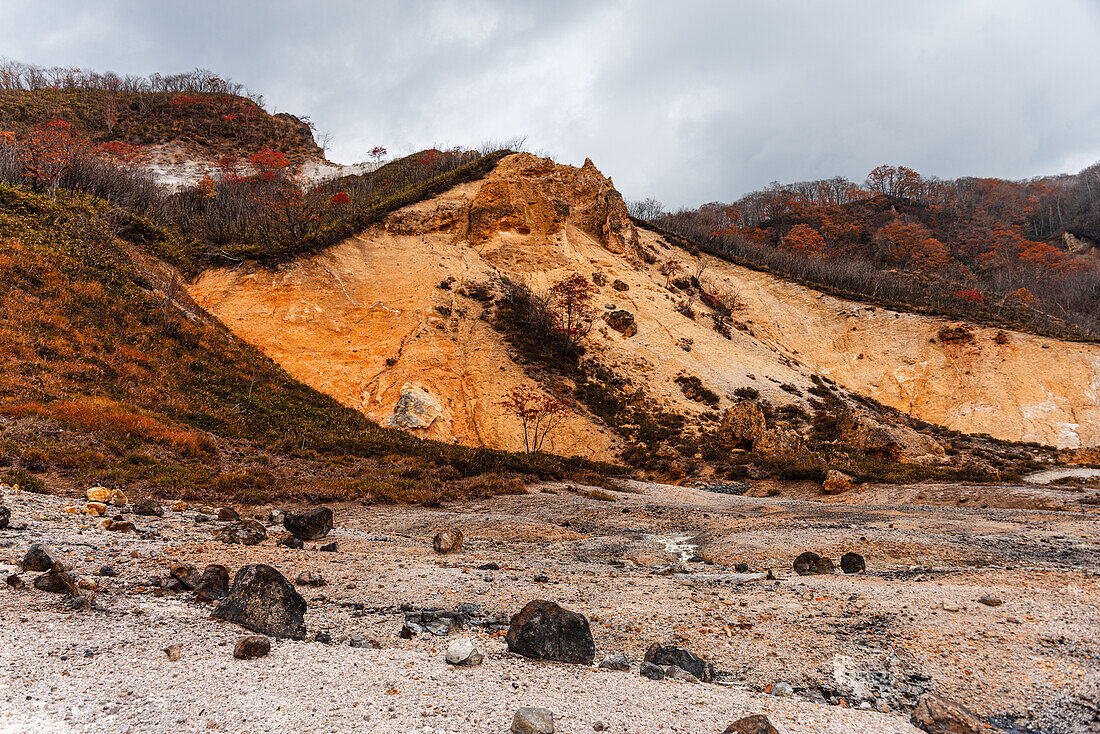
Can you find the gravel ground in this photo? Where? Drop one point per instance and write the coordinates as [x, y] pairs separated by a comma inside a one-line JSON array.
[[861, 640]]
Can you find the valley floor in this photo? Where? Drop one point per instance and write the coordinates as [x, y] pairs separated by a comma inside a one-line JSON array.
[[869, 642]]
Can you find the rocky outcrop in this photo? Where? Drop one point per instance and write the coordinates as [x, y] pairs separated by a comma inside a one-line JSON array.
[[938, 715], [836, 482], [742, 423], [622, 322], [894, 442], [416, 408]]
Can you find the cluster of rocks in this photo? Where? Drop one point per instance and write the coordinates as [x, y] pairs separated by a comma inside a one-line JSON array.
[[810, 563]]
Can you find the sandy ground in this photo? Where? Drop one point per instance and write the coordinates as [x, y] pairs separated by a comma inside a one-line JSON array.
[[873, 640]]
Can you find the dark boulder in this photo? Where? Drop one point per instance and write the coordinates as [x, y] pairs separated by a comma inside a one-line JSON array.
[[188, 576], [447, 541], [651, 671], [57, 581], [938, 715], [228, 514], [542, 629], [291, 542], [243, 532], [149, 508], [757, 724], [39, 558], [5, 516], [251, 647], [671, 655], [622, 322], [310, 525], [213, 585], [263, 601], [811, 563], [852, 563]]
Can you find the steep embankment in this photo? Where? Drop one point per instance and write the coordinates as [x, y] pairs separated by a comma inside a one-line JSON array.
[[397, 311]]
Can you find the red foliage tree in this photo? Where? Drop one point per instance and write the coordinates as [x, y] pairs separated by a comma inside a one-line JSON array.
[[803, 239], [570, 302], [539, 413]]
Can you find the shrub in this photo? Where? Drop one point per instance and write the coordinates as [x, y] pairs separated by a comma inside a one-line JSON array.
[[26, 481]]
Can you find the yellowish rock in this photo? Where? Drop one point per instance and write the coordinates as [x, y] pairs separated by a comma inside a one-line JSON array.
[[117, 498], [95, 508], [70, 509], [179, 506], [98, 494]]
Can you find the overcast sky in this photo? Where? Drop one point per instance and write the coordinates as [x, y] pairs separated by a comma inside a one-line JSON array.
[[687, 102]]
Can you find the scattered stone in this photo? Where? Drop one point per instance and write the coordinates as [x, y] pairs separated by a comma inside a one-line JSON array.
[[677, 673], [252, 647], [852, 563], [329, 547], [938, 715], [188, 576], [97, 494], [276, 517], [262, 600], [201, 518], [291, 542], [949, 605], [651, 671], [242, 532], [179, 506], [119, 526], [311, 525], [990, 601], [308, 578], [149, 508], [95, 508], [598, 725], [618, 661], [533, 721], [741, 568], [57, 581], [672, 655], [448, 541], [811, 563], [782, 689], [757, 724], [836, 482], [174, 652], [619, 285], [15, 581], [108, 571], [117, 498], [489, 567], [39, 558], [542, 629], [463, 652], [5, 516], [228, 514], [541, 578], [622, 322]]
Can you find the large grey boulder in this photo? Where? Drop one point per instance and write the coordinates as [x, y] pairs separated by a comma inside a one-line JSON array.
[[309, 525], [416, 408], [263, 601]]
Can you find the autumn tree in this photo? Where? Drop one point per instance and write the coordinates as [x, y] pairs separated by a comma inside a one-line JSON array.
[[570, 303], [538, 412], [896, 181], [670, 268], [802, 239]]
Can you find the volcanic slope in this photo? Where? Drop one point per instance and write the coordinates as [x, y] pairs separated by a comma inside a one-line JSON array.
[[398, 310]]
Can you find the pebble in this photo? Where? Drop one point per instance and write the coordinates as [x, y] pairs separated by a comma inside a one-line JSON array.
[[533, 721]]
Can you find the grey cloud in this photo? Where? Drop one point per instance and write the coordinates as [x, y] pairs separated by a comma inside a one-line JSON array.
[[688, 102]]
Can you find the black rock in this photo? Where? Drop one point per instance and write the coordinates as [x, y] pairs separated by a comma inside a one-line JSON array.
[[202, 518], [542, 629], [228, 514], [149, 508], [489, 567], [617, 661], [671, 655], [56, 582], [757, 724], [311, 525], [329, 547], [308, 578], [39, 558], [5, 516], [251, 647], [741, 568], [323, 637], [811, 563], [651, 671], [14, 581], [244, 532], [188, 576], [213, 585], [291, 542], [541, 578], [852, 563], [263, 601], [108, 571]]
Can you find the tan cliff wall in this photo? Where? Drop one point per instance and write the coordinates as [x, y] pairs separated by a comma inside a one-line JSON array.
[[368, 318]]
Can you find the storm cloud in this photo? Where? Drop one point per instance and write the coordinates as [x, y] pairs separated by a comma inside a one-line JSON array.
[[687, 102]]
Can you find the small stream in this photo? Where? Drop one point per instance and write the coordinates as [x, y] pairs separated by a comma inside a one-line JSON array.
[[677, 545], [1049, 475]]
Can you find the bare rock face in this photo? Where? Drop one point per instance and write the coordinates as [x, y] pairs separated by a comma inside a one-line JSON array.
[[897, 443], [447, 541], [451, 217], [416, 408], [836, 482], [622, 322], [938, 715], [757, 724], [544, 630], [742, 423], [263, 601], [680, 658], [781, 442], [527, 195], [310, 525]]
